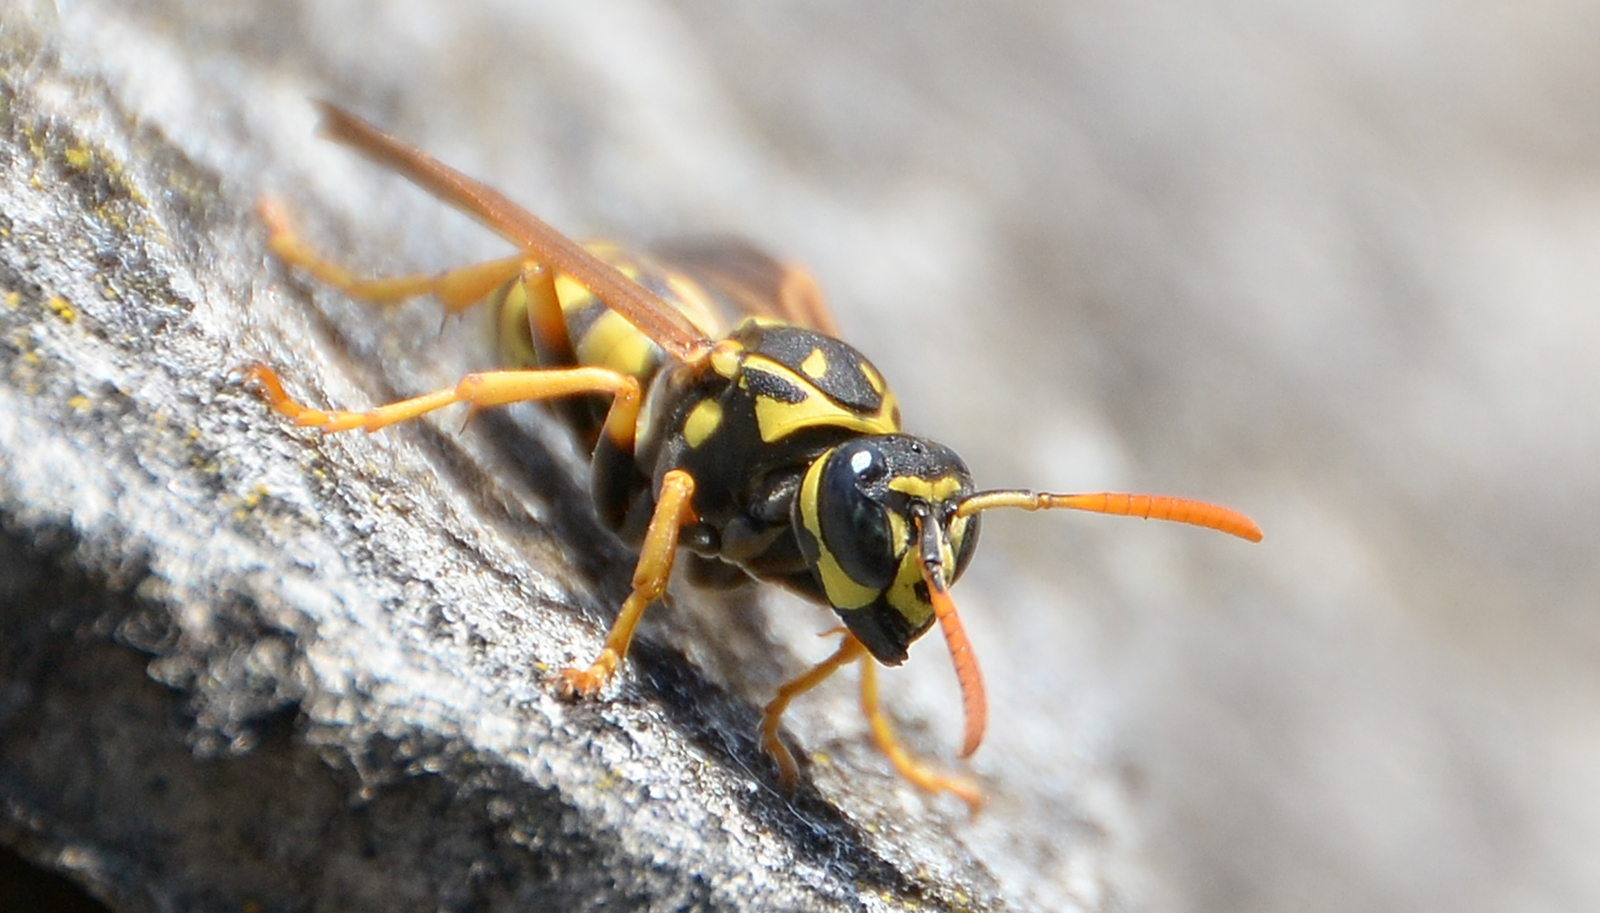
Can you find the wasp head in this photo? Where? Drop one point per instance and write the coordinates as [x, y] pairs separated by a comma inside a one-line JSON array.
[[877, 522]]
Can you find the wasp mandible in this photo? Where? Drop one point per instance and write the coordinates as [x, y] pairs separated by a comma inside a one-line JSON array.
[[772, 448]]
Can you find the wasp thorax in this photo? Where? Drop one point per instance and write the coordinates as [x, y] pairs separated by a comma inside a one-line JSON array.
[[870, 514]]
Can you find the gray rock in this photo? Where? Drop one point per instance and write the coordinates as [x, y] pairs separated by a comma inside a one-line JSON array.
[[256, 667], [1330, 263]]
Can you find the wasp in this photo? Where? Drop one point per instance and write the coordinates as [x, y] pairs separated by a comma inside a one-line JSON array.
[[771, 450]]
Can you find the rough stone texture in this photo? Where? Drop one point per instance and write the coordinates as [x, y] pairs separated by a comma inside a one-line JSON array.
[[1332, 263]]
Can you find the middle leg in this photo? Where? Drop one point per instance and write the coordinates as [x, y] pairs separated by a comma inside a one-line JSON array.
[[480, 391]]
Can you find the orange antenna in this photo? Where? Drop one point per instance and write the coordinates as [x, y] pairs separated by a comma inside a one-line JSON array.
[[1150, 507], [974, 701]]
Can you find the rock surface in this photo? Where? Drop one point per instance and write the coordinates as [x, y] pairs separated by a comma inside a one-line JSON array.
[[1330, 263]]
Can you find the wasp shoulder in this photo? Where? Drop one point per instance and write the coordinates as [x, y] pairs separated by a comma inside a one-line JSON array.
[[826, 365]]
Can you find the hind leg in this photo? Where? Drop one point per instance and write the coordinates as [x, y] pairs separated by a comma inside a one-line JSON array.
[[456, 289]]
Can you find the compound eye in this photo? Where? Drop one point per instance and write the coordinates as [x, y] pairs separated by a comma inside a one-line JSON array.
[[853, 519]]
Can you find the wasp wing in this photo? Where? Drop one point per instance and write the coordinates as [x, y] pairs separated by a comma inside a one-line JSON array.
[[553, 250], [752, 281]]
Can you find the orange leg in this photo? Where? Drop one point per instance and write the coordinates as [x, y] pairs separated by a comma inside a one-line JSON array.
[[498, 388], [649, 582], [456, 289], [491, 388], [849, 650], [526, 299], [921, 774]]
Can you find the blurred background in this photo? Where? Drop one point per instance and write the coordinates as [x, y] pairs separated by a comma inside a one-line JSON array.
[[1332, 263]]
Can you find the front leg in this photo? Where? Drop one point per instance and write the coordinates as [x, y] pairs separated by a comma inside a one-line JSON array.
[[650, 576]]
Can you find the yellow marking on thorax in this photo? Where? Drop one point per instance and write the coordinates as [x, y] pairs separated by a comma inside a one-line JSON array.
[[815, 365], [702, 422], [727, 356], [777, 419], [874, 378]]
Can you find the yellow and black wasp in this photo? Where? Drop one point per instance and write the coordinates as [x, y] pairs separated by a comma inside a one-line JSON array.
[[773, 448]]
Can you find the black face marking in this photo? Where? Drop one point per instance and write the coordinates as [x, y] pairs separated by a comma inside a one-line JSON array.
[[883, 631]]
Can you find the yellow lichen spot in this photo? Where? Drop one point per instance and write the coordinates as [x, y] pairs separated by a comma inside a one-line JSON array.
[[79, 157], [31, 358], [13, 299], [702, 422], [79, 403], [815, 365], [63, 308]]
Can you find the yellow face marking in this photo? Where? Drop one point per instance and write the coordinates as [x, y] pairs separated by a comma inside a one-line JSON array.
[[933, 492], [777, 419], [958, 535], [612, 342], [702, 422], [842, 590], [902, 593], [899, 532], [815, 365]]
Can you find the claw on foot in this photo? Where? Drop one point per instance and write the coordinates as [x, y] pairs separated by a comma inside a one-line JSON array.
[[588, 682]]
